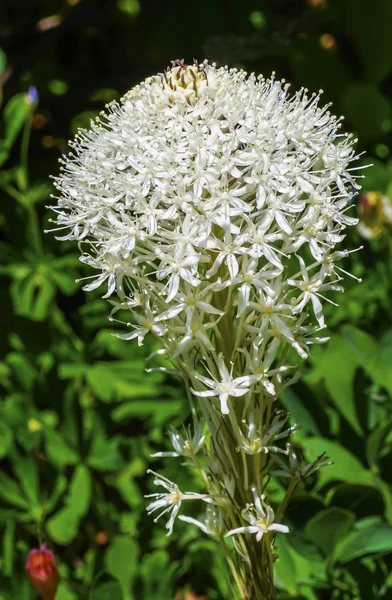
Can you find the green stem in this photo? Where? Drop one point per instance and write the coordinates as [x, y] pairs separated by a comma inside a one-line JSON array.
[[233, 570], [24, 153], [286, 500]]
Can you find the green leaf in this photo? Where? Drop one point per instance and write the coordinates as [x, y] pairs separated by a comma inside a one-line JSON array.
[[375, 442], [3, 61], [79, 496], [372, 539], [39, 192], [327, 527], [71, 370], [121, 561], [6, 439], [294, 405], [15, 115], [102, 381], [285, 569], [11, 493], [368, 111], [24, 372], [157, 572], [32, 296], [26, 470], [338, 376], [104, 454], [110, 590], [63, 526], [370, 27], [345, 467], [160, 410], [57, 449], [375, 359], [64, 592]]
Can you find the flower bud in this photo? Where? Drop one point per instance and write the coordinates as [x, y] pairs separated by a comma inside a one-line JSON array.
[[42, 571], [184, 82]]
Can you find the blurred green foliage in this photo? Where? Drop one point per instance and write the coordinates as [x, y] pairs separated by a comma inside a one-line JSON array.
[[78, 416]]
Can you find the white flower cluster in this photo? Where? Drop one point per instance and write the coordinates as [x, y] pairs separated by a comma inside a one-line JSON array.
[[210, 203], [222, 202]]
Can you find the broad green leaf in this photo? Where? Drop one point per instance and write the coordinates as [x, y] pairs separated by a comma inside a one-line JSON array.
[[27, 472], [79, 496], [362, 500], [327, 527], [64, 278], [32, 296], [64, 592], [11, 493], [159, 410], [346, 467], [127, 390], [110, 590], [374, 358], [369, 27], [57, 449], [368, 111], [338, 377], [39, 192], [300, 413], [104, 454], [63, 526], [102, 380], [23, 370], [121, 560], [285, 570], [71, 370], [58, 490], [373, 539]]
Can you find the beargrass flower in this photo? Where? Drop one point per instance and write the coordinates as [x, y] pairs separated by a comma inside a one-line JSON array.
[[170, 501], [209, 205], [260, 517], [184, 445]]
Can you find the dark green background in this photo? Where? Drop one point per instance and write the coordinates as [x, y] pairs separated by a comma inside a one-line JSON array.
[[78, 415]]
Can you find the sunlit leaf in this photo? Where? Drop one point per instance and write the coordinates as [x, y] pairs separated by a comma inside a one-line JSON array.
[[346, 467], [121, 561], [372, 539]]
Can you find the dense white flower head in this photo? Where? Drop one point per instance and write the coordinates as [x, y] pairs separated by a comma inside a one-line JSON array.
[[210, 202]]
